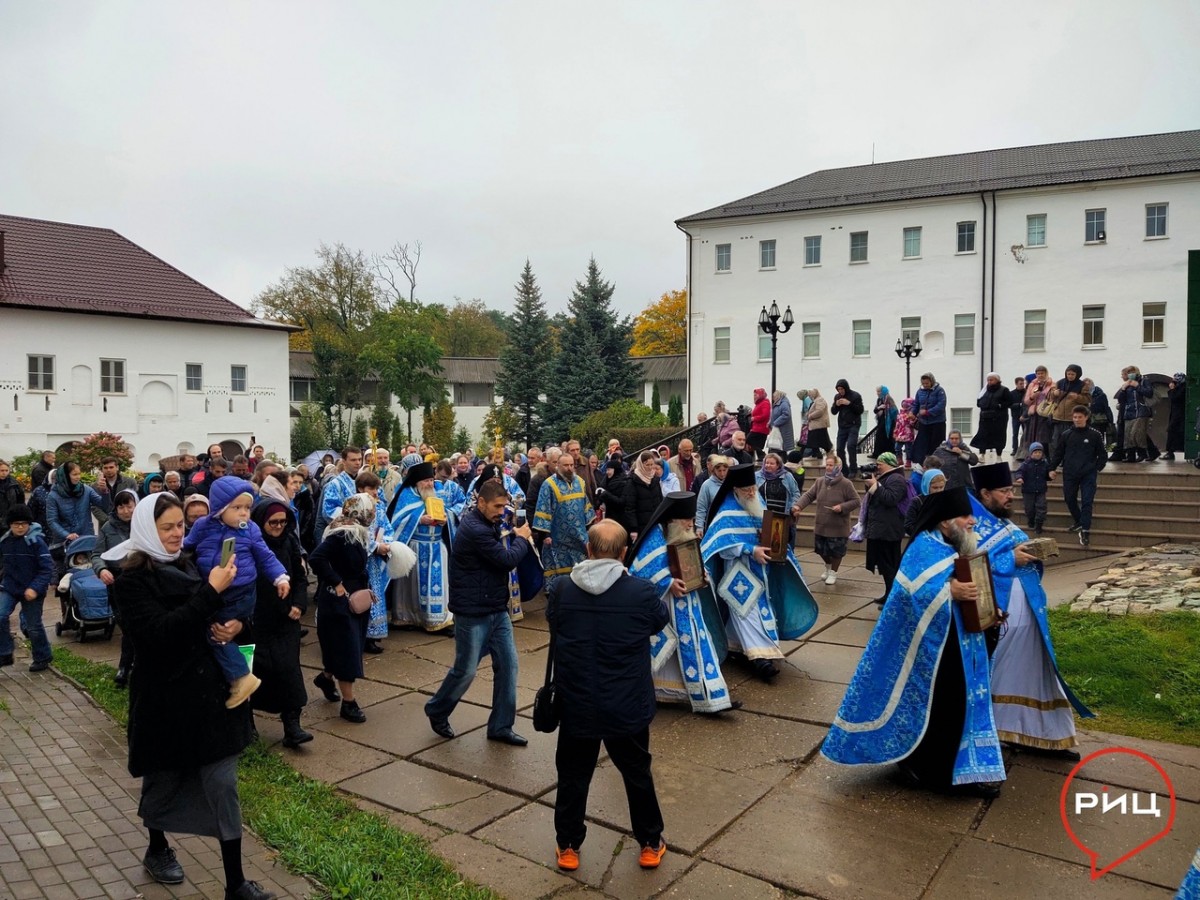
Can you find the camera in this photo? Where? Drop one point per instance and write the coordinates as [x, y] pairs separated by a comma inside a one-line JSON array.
[[868, 469]]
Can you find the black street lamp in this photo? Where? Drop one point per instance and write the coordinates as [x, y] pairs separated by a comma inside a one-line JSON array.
[[908, 351], [770, 324]]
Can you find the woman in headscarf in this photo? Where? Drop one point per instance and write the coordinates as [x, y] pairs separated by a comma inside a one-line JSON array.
[[760, 423], [781, 418], [1038, 427], [778, 490], [340, 563], [70, 505], [668, 481], [885, 420], [152, 484], [1177, 398], [643, 492], [995, 409], [933, 481], [836, 500], [183, 741], [276, 628], [113, 532], [818, 425]]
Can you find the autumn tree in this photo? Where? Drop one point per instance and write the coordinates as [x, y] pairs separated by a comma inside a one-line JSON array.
[[525, 359], [467, 328], [661, 328], [438, 427], [504, 417]]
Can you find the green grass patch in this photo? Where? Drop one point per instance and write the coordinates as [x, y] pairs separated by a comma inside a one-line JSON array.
[[1139, 674], [316, 831]]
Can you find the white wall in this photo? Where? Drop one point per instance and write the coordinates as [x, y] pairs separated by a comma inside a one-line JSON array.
[[1061, 278], [156, 415]]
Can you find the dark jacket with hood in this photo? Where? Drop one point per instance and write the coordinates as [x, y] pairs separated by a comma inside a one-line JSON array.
[[1134, 401], [26, 563], [1068, 393], [849, 416], [69, 508], [479, 566], [885, 522]]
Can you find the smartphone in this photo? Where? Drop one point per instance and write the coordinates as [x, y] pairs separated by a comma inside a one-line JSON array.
[[519, 517], [227, 550]]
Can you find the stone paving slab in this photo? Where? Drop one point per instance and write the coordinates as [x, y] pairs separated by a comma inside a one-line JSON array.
[[509, 874], [826, 662], [528, 771], [399, 726], [707, 881]]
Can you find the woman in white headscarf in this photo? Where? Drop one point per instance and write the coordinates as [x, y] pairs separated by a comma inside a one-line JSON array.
[[183, 741]]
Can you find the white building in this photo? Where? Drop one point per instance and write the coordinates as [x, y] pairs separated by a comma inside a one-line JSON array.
[[999, 260], [97, 334]]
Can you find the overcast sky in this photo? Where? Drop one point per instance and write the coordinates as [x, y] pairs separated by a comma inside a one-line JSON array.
[[232, 138]]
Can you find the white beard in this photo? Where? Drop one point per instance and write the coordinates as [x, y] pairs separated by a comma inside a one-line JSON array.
[[965, 542], [678, 533], [753, 505]]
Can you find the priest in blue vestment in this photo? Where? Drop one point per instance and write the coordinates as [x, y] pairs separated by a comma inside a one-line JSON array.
[[563, 514], [430, 539]]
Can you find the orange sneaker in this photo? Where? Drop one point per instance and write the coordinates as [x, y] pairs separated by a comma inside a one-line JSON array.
[[652, 856], [568, 860]]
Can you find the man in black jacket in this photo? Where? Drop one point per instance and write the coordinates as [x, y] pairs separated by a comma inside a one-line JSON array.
[[848, 406], [602, 619], [1082, 454], [479, 567]]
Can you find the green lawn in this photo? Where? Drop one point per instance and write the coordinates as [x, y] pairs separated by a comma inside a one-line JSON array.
[[316, 831], [1139, 674]]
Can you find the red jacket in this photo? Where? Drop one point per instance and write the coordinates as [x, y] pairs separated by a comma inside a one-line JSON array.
[[760, 418]]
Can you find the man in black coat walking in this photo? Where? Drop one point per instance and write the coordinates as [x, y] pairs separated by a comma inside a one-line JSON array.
[[601, 619], [848, 407], [1082, 454]]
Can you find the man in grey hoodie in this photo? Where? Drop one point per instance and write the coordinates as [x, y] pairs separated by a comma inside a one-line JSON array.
[[601, 620]]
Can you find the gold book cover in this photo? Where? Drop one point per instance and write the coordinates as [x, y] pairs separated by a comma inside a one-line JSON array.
[[435, 508]]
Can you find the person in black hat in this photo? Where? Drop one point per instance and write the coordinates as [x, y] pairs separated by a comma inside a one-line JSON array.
[[686, 658], [429, 538], [943, 702], [768, 602], [1032, 702]]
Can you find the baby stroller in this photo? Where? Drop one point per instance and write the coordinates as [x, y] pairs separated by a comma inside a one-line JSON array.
[[84, 599]]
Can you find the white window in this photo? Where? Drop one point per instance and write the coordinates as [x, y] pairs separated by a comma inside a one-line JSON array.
[[812, 340], [812, 251], [966, 237], [724, 257], [912, 243], [1156, 220], [858, 246], [112, 376], [964, 333], [721, 345], [41, 373], [1035, 330], [764, 345], [1035, 231], [194, 377], [1093, 326], [237, 379], [862, 337], [766, 254], [910, 329], [1154, 317], [1093, 228], [960, 421], [303, 389]]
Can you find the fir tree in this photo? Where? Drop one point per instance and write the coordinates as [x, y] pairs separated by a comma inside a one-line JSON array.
[[675, 410], [525, 359], [655, 398]]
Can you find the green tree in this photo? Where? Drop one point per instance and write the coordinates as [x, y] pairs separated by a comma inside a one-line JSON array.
[[504, 417], [593, 368], [462, 440], [359, 436], [675, 410], [525, 359], [655, 397], [404, 356], [467, 328], [383, 420], [596, 428], [438, 428], [308, 432]]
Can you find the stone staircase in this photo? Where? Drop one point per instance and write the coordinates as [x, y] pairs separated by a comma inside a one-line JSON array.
[[1137, 505]]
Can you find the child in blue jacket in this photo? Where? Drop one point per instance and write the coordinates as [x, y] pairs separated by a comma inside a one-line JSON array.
[[28, 569], [231, 500]]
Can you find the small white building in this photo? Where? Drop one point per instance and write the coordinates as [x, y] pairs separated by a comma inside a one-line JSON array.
[[998, 261], [97, 334], [669, 373]]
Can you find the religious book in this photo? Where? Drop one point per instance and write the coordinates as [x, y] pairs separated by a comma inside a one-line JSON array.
[[978, 615], [774, 536], [1042, 547], [685, 563], [435, 508]]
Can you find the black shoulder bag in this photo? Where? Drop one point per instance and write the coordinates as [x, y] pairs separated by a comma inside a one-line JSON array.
[[545, 704]]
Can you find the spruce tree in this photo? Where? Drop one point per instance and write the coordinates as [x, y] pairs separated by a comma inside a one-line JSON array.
[[525, 359], [655, 398]]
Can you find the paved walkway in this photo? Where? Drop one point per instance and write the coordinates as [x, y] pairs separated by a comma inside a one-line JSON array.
[[751, 808]]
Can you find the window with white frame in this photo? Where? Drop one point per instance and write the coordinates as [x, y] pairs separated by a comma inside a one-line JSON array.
[[1035, 230], [1156, 220], [812, 339], [966, 237], [812, 251], [1035, 330], [112, 376], [721, 345], [724, 257], [910, 329], [912, 242], [862, 337], [964, 333], [1093, 226], [237, 379], [1093, 326], [194, 377], [41, 373], [766, 254], [303, 390], [764, 345], [1154, 318], [960, 421], [858, 246]]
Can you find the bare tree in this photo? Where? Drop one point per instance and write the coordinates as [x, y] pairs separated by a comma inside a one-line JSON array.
[[400, 263]]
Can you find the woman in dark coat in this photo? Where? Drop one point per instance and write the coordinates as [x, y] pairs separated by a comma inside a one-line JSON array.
[[340, 564], [276, 630], [183, 742], [995, 409], [643, 493], [885, 522], [1177, 397]]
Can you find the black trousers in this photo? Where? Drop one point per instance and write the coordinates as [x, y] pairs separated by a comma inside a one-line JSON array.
[[575, 760]]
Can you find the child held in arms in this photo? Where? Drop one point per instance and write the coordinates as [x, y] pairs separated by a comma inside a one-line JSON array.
[[231, 499]]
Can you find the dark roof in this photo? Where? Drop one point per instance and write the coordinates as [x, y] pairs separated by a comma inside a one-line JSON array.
[[965, 173], [78, 268], [455, 369], [667, 367]]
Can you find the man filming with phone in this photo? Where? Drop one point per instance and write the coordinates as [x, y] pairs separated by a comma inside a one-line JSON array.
[[480, 564]]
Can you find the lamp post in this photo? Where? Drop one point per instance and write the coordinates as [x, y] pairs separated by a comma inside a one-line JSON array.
[[770, 324], [907, 350]]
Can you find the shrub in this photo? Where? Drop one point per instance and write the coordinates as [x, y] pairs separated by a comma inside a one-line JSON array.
[[308, 431], [95, 447], [597, 428], [675, 411]]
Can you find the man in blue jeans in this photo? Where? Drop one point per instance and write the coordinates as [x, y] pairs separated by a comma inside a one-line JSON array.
[[28, 570], [1082, 454], [479, 567]]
